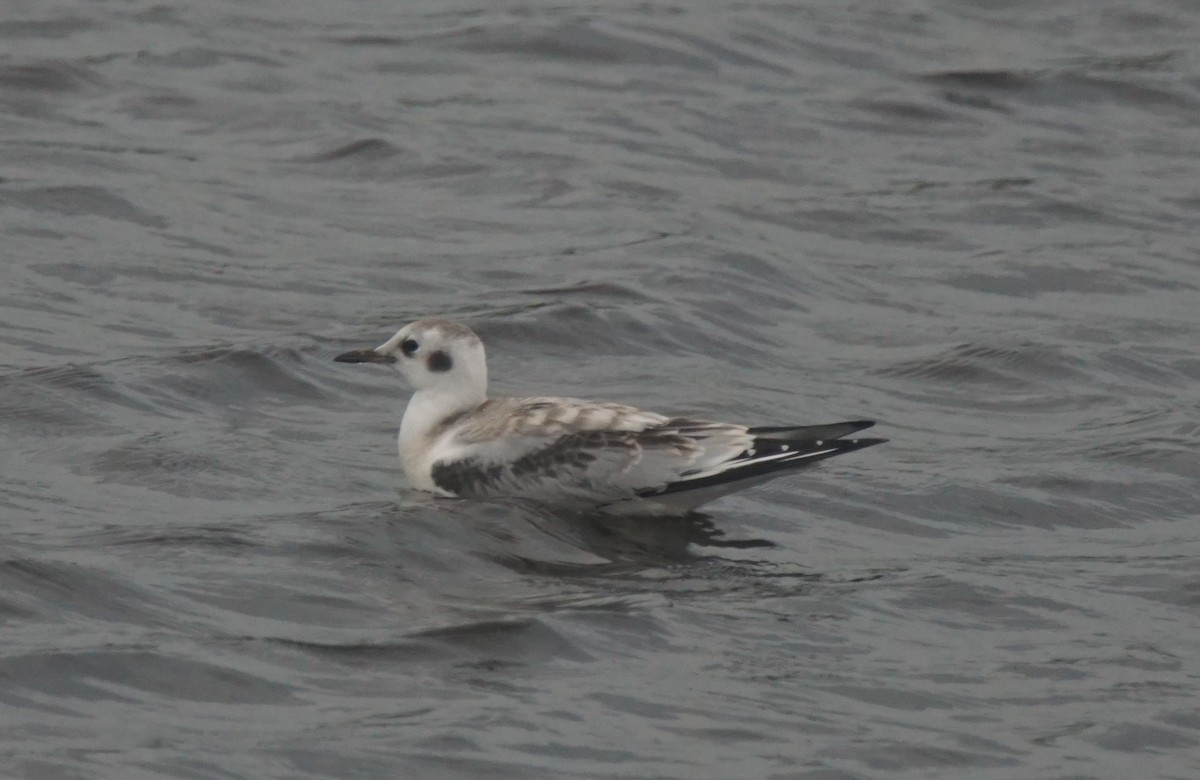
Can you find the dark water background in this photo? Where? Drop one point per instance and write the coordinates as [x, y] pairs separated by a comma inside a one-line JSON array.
[[976, 222]]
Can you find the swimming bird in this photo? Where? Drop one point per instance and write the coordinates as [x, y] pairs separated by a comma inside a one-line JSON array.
[[456, 442]]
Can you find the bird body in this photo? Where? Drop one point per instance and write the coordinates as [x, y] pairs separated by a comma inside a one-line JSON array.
[[454, 441]]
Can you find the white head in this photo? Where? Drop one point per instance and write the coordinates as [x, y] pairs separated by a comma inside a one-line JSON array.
[[437, 355]]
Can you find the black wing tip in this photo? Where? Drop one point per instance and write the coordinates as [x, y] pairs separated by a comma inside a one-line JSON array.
[[858, 444], [754, 468], [859, 425], [827, 431], [833, 448]]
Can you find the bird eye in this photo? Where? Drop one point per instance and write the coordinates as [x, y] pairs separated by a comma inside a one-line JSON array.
[[409, 347]]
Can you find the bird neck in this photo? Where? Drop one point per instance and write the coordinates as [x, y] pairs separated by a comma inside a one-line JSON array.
[[426, 411]]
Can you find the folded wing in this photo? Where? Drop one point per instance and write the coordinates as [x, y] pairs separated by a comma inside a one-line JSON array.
[[554, 448]]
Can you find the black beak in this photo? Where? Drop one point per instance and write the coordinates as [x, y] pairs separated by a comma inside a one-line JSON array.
[[364, 356]]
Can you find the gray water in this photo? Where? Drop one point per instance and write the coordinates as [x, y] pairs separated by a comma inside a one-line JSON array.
[[975, 222]]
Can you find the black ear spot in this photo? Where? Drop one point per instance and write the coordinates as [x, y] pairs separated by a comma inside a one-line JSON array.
[[439, 362]]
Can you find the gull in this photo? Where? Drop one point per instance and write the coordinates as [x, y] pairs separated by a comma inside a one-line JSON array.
[[456, 442]]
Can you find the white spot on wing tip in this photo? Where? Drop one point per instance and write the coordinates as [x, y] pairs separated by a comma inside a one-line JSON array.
[[820, 443], [784, 447]]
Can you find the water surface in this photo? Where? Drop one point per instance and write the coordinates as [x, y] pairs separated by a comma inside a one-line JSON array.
[[973, 222]]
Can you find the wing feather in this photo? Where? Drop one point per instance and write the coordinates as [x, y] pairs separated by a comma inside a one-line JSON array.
[[596, 452], [599, 453]]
